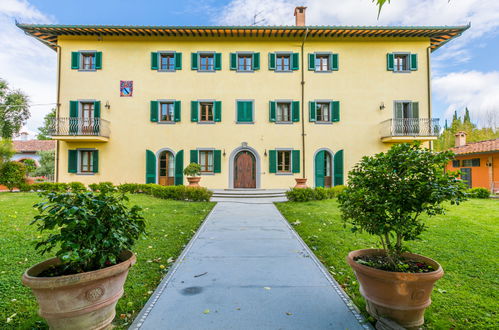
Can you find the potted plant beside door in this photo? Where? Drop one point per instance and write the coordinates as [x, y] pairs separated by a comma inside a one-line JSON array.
[[93, 234], [386, 196], [192, 171]]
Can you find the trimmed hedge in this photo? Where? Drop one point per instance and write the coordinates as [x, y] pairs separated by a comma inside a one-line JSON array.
[[313, 194], [478, 193]]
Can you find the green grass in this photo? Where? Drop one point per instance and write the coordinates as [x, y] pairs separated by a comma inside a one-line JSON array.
[[170, 226], [464, 241]]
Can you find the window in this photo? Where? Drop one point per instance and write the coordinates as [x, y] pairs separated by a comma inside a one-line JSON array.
[[206, 161], [455, 163], [86, 161], [206, 111], [475, 162], [166, 111], [401, 62], [244, 111], [283, 62], [322, 63], [88, 61], [284, 161], [323, 111], [167, 61], [283, 113], [206, 62], [87, 117], [244, 62]]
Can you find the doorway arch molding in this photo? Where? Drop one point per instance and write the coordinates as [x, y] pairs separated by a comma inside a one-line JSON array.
[[244, 147], [332, 162]]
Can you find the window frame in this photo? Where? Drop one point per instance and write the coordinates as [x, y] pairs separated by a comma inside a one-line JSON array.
[[290, 151], [245, 54], [330, 114], [202, 54], [408, 62], [160, 102], [79, 161], [252, 112], [212, 102], [290, 57], [290, 108], [329, 64], [83, 54], [470, 162], [212, 150], [161, 53]]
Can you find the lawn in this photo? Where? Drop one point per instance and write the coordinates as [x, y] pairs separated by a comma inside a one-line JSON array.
[[170, 226], [464, 241]]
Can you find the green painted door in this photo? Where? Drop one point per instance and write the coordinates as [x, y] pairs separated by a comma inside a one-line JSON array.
[[319, 168]]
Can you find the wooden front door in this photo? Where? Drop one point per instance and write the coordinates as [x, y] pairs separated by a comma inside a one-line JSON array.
[[166, 173], [245, 170]]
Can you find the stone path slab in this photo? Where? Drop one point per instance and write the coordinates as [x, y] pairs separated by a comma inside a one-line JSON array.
[[247, 269]]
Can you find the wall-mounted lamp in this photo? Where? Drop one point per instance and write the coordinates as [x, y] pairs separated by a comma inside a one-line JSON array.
[[488, 164], [265, 153], [224, 153], [382, 106], [108, 106]]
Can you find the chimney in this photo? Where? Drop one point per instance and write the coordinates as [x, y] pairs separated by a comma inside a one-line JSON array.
[[300, 16], [460, 139]]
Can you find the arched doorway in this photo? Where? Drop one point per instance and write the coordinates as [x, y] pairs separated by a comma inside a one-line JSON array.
[[323, 169], [244, 170], [166, 168]]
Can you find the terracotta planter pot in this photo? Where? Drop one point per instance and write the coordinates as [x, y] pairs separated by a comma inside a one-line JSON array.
[[80, 301], [301, 183], [402, 297], [193, 181]]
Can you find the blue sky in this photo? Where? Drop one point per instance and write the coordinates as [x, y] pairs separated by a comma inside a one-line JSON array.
[[465, 72]]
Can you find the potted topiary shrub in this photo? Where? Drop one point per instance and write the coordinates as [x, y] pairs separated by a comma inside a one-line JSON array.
[[193, 170], [80, 286], [386, 196]]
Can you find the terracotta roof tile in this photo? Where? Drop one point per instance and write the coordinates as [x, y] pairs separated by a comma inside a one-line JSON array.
[[477, 147], [33, 145]]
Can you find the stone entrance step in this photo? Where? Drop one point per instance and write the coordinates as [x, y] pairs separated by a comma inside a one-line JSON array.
[[250, 195]]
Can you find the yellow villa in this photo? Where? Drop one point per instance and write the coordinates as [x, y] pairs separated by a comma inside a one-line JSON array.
[[255, 106]]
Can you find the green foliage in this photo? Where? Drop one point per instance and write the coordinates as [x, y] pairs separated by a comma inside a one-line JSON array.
[[47, 163], [180, 193], [92, 229], [478, 193], [311, 194], [193, 169], [388, 192], [102, 187], [30, 166], [76, 186], [14, 110], [45, 131], [50, 186], [6, 150], [12, 174]]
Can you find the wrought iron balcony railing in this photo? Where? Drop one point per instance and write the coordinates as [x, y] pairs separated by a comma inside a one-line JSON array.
[[416, 127], [75, 126]]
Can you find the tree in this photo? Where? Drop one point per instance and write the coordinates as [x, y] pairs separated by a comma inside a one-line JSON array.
[[45, 131], [6, 151], [12, 174], [14, 110], [387, 193], [30, 166], [47, 163]]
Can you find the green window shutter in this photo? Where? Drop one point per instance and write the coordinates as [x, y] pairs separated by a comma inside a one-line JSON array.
[[319, 168], [73, 117], [272, 107], [295, 61], [72, 161], [218, 61], [178, 61], [399, 111], [194, 156], [414, 62], [154, 111], [272, 161], [95, 161], [150, 167], [338, 168], [177, 111], [97, 109], [271, 61], [217, 109], [335, 111], [194, 111], [154, 61], [73, 109], [98, 60], [311, 107], [194, 61], [389, 61], [311, 62], [295, 154], [179, 168], [334, 62], [244, 111], [241, 111], [295, 108], [217, 161], [256, 61], [233, 61], [415, 110], [75, 60]]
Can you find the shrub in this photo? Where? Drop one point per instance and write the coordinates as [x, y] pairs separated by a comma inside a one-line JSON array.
[[312, 194], [193, 169], [180, 193], [24, 187], [131, 188], [76, 186], [50, 186], [12, 174], [102, 187], [388, 192], [92, 229], [30, 166], [478, 193]]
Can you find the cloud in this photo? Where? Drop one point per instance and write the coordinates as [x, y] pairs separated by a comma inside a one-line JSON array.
[[476, 90], [26, 63]]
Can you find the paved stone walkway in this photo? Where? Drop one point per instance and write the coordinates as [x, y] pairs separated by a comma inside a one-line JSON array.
[[247, 269]]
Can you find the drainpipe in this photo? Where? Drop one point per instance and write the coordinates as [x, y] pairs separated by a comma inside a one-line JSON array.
[[428, 77], [303, 102]]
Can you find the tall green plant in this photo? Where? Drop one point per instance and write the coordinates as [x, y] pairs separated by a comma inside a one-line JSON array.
[[47, 163], [387, 194], [6, 150], [14, 110], [12, 174]]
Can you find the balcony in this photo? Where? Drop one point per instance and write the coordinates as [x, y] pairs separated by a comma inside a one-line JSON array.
[[76, 129], [409, 129]]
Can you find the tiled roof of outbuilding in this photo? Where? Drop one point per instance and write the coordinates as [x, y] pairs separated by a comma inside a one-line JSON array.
[[477, 147], [33, 145]]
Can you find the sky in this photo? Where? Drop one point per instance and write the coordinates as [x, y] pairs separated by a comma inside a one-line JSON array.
[[465, 72]]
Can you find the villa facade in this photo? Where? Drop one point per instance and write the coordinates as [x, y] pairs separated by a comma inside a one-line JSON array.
[[255, 106]]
